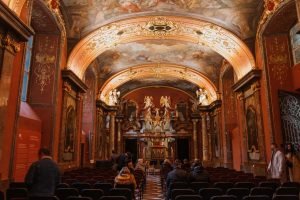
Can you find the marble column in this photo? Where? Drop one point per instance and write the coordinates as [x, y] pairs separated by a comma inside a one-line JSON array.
[[204, 138], [195, 138], [119, 138], [112, 133]]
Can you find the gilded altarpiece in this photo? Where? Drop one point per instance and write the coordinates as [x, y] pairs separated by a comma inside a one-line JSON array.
[[215, 135], [69, 130], [71, 125], [253, 124], [251, 130], [101, 135]]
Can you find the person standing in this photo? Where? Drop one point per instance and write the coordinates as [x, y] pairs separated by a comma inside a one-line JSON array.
[[292, 163], [277, 165], [43, 175]]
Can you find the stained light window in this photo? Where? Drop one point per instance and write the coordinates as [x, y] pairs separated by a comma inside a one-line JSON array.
[[27, 69]]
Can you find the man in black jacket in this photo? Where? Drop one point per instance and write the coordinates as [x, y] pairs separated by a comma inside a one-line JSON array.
[[199, 174], [43, 175], [177, 174]]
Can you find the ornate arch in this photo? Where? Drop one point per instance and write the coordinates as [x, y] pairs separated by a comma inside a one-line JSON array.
[[177, 28], [158, 70]]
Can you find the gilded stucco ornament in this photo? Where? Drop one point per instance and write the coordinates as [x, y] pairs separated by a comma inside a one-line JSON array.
[[43, 72], [10, 43], [270, 7], [159, 70], [176, 28], [54, 5]]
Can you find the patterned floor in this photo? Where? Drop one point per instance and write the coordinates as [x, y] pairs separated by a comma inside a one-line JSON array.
[[153, 188]]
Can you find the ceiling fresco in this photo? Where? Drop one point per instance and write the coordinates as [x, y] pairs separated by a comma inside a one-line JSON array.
[[237, 15], [200, 58], [158, 82]]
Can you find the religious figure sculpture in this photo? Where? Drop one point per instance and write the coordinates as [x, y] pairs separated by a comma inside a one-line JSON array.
[[113, 97], [202, 96], [148, 102], [165, 101], [148, 115]]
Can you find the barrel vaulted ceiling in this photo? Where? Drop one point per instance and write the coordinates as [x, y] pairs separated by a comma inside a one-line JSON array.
[[84, 17]]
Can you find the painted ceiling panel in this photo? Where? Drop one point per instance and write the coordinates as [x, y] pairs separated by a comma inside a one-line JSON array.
[[200, 58], [238, 15]]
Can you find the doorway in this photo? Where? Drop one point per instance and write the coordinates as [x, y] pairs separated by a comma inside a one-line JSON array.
[[131, 146], [183, 149]]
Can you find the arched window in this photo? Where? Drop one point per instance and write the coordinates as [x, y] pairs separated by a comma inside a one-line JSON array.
[[27, 62], [295, 37]]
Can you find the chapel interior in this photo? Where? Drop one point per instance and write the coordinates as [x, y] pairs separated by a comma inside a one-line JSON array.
[[213, 80]]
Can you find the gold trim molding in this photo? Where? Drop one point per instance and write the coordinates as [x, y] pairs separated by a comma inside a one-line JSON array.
[[177, 28], [164, 70], [10, 43], [52, 5], [270, 8]]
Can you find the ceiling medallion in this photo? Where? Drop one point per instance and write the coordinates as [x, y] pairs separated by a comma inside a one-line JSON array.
[[160, 26]]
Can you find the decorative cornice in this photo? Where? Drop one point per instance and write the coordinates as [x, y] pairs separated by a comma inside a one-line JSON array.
[[74, 80], [19, 28], [210, 107], [106, 107], [247, 79]]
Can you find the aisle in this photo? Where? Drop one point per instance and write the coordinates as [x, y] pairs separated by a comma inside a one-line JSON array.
[[153, 188]]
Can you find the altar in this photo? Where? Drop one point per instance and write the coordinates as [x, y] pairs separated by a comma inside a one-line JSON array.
[[156, 129]]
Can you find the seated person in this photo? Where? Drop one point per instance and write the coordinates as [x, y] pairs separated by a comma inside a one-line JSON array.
[[186, 165], [176, 175], [125, 178], [140, 165], [195, 164], [199, 174], [166, 168], [130, 167]]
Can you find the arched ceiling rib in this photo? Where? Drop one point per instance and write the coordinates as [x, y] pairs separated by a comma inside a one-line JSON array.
[[161, 28], [172, 82], [160, 71]]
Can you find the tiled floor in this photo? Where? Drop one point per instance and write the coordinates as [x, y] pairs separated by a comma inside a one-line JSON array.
[[153, 188]]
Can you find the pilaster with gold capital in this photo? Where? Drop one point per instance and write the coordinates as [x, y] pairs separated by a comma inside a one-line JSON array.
[[119, 137], [242, 125], [9, 42], [256, 94], [204, 137], [112, 132], [195, 138]]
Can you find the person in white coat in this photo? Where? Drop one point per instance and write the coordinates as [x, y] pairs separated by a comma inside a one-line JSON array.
[[277, 167]]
